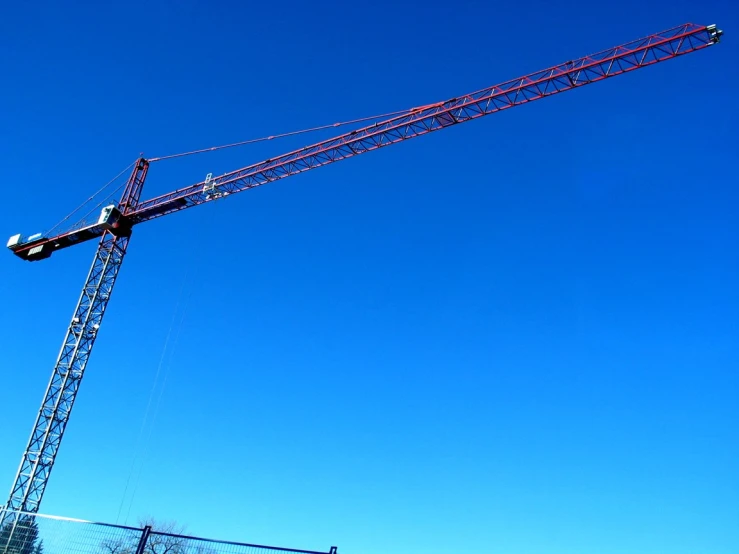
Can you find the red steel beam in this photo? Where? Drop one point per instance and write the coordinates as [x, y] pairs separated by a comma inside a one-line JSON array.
[[567, 76], [570, 75]]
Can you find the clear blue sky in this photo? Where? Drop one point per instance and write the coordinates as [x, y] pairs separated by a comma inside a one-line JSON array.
[[518, 335]]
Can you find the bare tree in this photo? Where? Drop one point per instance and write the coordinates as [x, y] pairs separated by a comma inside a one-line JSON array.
[[118, 546], [165, 537]]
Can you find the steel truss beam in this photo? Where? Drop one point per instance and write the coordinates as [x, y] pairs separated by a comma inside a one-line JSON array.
[[548, 82], [414, 123]]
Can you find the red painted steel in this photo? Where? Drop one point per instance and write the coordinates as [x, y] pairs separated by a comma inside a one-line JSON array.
[[418, 121], [589, 69]]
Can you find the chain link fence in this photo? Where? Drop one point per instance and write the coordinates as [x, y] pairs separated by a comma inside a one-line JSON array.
[[25, 533]]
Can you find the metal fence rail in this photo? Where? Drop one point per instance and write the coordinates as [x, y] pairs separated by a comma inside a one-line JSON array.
[[26, 533]]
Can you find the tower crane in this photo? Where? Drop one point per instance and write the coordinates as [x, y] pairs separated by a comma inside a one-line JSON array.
[[115, 223]]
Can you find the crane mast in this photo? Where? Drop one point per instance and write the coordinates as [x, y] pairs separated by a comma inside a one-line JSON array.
[[52, 418], [116, 222]]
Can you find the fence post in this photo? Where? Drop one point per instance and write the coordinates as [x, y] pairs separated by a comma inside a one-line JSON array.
[[144, 539]]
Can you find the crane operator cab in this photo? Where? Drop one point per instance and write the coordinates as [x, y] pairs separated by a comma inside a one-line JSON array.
[[109, 218]]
